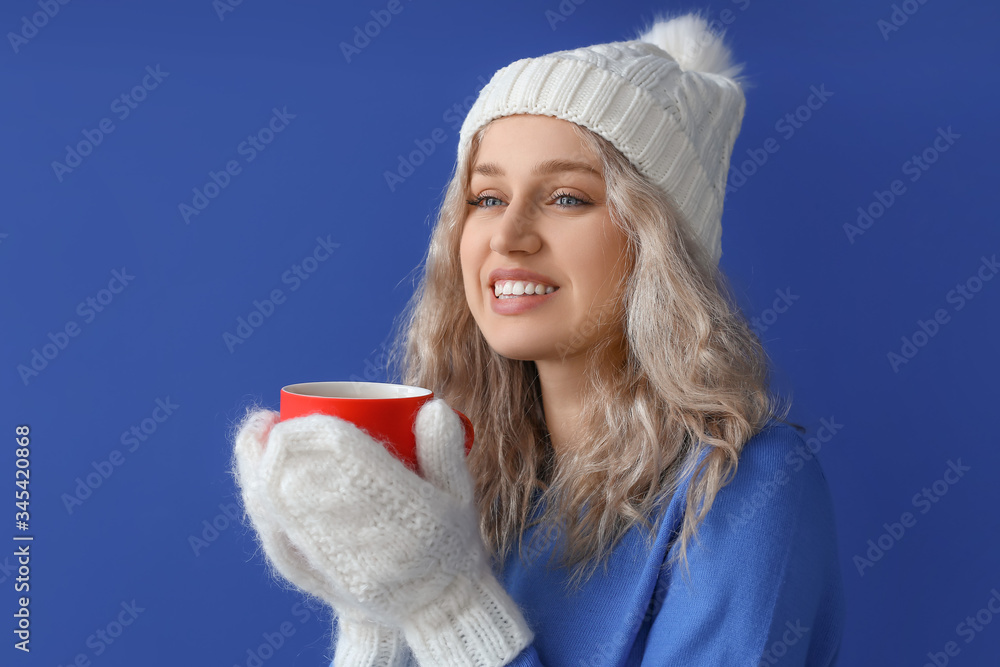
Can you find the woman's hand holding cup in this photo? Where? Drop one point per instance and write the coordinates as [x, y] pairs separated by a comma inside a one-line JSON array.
[[343, 519]]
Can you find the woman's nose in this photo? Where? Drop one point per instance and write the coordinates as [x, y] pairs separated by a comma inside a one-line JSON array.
[[515, 230]]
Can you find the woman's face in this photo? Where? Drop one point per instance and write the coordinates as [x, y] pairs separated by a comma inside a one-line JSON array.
[[538, 230]]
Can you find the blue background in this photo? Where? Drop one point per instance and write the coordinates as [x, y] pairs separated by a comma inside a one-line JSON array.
[[146, 534]]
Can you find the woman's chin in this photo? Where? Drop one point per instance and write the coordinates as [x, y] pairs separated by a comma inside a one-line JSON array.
[[522, 350]]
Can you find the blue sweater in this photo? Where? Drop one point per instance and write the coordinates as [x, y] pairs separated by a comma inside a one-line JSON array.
[[765, 585]]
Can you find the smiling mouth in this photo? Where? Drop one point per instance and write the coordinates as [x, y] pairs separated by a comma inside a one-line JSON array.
[[509, 289]]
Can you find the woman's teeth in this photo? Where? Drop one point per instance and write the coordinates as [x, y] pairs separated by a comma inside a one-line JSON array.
[[505, 289]]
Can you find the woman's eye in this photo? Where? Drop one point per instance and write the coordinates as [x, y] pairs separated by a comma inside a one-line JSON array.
[[561, 199], [569, 201], [478, 201]]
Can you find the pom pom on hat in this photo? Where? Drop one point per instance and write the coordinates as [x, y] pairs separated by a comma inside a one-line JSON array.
[[693, 44]]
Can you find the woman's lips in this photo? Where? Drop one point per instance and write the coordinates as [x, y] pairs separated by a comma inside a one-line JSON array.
[[514, 305], [517, 273]]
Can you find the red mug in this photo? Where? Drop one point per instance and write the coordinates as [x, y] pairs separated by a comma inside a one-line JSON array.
[[385, 411]]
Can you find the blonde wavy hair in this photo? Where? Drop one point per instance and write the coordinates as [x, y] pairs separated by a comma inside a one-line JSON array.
[[693, 377]]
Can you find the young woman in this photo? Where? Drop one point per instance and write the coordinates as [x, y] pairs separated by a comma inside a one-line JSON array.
[[634, 496]]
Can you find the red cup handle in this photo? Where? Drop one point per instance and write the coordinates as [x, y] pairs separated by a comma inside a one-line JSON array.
[[470, 435]]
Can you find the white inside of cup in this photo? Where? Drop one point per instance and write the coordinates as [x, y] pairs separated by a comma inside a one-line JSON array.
[[355, 390]]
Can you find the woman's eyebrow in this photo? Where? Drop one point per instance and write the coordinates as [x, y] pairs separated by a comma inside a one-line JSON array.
[[547, 167]]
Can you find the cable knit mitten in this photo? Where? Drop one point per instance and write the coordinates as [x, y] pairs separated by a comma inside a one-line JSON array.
[[395, 547], [360, 641]]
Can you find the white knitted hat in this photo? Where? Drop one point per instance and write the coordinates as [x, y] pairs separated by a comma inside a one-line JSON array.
[[669, 100]]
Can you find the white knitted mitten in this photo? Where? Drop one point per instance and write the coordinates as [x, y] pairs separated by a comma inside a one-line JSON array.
[[398, 548], [360, 641]]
